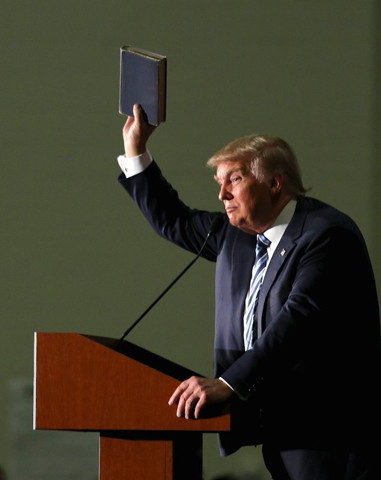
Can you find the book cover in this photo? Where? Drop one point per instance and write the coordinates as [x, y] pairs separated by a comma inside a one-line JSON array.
[[143, 80]]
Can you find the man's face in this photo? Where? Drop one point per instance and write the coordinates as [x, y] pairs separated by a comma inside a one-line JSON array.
[[248, 202]]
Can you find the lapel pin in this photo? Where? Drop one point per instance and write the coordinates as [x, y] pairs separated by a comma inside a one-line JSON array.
[[283, 252]]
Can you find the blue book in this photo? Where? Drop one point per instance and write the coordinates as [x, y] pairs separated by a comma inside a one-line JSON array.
[[143, 79]]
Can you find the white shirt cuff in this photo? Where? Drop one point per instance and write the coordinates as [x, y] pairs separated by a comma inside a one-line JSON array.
[[226, 383], [133, 165]]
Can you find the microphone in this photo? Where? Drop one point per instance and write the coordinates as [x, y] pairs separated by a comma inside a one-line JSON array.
[[213, 229]]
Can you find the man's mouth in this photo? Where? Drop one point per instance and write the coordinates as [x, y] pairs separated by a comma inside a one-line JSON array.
[[229, 209]]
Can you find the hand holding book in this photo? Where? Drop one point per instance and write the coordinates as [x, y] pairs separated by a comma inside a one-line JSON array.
[[136, 133]]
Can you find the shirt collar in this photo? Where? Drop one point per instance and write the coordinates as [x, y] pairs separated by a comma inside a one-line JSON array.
[[276, 231]]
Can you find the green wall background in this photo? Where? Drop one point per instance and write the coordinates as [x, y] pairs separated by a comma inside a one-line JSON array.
[[76, 254]]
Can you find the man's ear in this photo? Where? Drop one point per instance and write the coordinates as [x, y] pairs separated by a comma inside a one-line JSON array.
[[276, 183]]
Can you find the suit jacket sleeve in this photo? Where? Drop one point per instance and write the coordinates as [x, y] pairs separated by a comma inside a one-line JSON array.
[[168, 215]]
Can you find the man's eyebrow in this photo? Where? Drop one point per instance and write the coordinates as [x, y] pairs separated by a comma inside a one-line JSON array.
[[230, 172]]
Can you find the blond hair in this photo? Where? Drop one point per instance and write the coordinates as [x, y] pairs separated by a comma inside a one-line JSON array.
[[265, 155]]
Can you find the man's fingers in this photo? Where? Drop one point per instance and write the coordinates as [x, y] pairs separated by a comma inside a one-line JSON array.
[[186, 397], [177, 393], [194, 405], [200, 405], [192, 395], [186, 404], [138, 114], [183, 398], [181, 406]]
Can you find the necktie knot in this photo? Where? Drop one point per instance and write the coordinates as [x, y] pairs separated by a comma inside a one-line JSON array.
[[263, 241], [263, 244]]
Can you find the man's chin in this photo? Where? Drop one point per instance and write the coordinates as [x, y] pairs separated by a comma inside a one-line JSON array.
[[233, 221]]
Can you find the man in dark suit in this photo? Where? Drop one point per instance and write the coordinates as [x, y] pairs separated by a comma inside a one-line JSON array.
[[297, 346]]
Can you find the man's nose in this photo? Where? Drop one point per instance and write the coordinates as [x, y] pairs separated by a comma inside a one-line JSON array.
[[224, 194]]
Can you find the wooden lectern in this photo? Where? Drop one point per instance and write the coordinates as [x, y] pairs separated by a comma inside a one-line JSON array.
[[81, 383]]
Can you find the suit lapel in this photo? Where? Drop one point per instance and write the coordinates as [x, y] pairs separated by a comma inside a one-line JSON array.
[[283, 251], [243, 257]]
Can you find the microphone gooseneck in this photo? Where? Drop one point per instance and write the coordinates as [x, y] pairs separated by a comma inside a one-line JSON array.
[[213, 229]]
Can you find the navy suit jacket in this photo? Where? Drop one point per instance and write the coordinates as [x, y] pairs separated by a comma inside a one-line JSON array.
[[311, 380]]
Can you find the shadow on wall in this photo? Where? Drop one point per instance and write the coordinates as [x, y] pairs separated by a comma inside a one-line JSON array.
[[3, 475]]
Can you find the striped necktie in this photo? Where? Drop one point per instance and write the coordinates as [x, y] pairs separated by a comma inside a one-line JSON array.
[[261, 257]]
